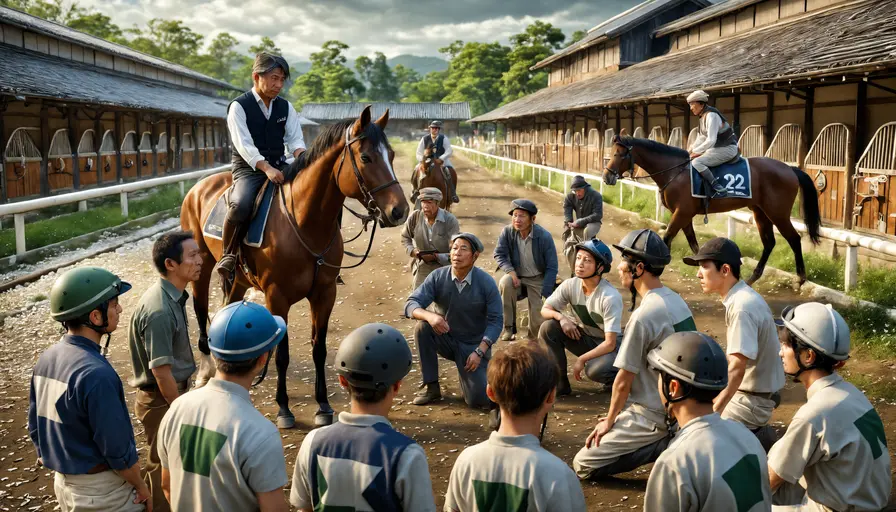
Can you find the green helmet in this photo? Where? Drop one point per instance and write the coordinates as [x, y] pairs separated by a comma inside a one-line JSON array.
[[79, 291], [373, 356]]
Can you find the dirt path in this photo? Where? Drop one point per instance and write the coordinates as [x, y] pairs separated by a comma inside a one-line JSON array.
[[375, 292]]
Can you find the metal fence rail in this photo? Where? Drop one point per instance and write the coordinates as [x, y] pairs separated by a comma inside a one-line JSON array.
[[851, 239], [19, 209]]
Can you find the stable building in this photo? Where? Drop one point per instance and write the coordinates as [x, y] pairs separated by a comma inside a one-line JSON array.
[[809, 82], [406, 120], [77, 111]]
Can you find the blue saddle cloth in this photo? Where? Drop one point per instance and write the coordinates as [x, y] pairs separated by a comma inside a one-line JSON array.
[[735, 177], [214, 224]]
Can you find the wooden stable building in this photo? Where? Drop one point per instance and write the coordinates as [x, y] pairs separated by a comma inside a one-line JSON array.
[[809, 82], [77, 111], [406, 120]]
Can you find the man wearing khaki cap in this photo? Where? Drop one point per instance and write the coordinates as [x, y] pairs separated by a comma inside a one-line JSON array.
[[427, 235]]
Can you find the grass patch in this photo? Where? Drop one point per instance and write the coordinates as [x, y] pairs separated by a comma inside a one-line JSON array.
[[49, 231], [883, 387], [39, 297], [872, 330]]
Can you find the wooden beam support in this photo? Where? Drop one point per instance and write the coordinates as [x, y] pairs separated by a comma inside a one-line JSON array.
[[808, 122], [97, 141], [4, 196], [44, 149], [736, 118], [769, 117], [72, 116], [668, 121], [138, 161], [881, 87], [858, 145], [645, 119], [178, 143], [117, 137], [154, 143], [169, 163]]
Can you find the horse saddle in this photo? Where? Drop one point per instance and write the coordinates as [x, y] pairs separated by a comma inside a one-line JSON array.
[[214, 224], [733, 175]]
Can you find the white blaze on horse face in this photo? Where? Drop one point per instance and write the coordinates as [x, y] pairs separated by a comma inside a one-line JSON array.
[[385, 153]]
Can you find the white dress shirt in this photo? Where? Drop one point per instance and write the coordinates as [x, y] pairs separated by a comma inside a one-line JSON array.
[[446, 145], [242, 139]]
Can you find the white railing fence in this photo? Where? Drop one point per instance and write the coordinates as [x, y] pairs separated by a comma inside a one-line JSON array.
[[19, 209], [851, 239]]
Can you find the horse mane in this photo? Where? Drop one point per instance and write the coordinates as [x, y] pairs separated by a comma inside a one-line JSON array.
[[653, 146], [331, 135]]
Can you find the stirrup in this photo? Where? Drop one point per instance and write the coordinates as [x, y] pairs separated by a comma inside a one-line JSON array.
[[227, 263]]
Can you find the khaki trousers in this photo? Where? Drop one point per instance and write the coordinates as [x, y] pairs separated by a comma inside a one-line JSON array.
[[150, 408], [637, 438], [101, 492], [509, 296]]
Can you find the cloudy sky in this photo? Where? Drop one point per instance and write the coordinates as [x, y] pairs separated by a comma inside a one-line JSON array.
[[394, 27]]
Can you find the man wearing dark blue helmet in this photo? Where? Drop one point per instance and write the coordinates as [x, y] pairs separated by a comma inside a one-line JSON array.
[[217, 451]]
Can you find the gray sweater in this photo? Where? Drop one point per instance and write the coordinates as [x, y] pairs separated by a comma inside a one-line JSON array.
[[588, 209]]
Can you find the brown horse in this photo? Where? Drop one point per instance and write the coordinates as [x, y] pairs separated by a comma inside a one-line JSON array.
[[432, 176], [303, 249], [775, 187]]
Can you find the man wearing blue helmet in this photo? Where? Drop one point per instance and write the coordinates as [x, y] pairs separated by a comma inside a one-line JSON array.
[[217, 451], [591, 328]]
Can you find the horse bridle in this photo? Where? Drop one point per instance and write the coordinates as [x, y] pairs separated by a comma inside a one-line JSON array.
[[369, 202], [628, 155]]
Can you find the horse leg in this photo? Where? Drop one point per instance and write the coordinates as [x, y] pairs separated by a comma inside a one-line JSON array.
[[201, 290], [676, 223], [691, 236], [767, 235], [782, 222], [279, 306], [321, 302]]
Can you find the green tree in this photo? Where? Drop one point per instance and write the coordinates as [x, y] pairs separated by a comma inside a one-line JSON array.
[[99, 25], [405, 78], [430, 89], [329, 79], [536, 43], [242, 76], [381, 81], [474, 74], [167, 39], [577, 36]]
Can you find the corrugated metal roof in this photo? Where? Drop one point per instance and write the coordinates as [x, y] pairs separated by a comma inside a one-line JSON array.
[[617, 25], [339, 111], [857, 36], [27, 73], [57, 31], [713, 11]]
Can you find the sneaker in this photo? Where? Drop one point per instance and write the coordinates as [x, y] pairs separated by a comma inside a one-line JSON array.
[[428, 393]]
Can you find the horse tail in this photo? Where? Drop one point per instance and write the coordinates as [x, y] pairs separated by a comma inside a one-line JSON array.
[[811, 212]]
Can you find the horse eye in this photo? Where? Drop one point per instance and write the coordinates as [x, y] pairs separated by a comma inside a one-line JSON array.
[[364, 158]]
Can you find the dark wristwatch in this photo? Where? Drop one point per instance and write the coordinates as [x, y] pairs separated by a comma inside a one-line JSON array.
[[479, 353]]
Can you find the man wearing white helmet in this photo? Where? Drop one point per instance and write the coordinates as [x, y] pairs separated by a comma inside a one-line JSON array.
[[712, 464], [834, 454], [716, 142]]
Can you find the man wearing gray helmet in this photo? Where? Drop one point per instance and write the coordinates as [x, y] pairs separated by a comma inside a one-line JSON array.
[[361, 462], [712, 464], [834, 454]]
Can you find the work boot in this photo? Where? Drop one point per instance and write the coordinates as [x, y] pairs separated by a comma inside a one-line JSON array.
[[507, 334], [429, 392], [563, 387]]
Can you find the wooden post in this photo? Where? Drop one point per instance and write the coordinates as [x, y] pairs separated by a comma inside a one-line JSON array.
[[123, 199], [72, 115], [687, 125], [44, 149], [19, 222], [169, 134], [116, 138], [214, 143], [631, 120], [154, 136], [732, 227], [850, 275], [858, 144], [645, 120], [3, 194], [195, 131], [138, 161], [668, 122], [808, 124], [769, 117], [618, 120], [736, 117], [97, 142], [178, 151]]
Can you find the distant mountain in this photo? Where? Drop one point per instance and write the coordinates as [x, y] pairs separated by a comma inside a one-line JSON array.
[[300, 67], [422, 65]]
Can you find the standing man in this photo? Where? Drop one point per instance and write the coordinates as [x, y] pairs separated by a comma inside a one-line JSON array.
[[77, 416], [464, 325], [217, 451], [361, 462], [442, 150], [716, 142], [712, 464], [528, 257], [755, 373], [588, 206], [635, 432], [591, 331], [427, 236], [159, 340], [263, 126], [835, 445]]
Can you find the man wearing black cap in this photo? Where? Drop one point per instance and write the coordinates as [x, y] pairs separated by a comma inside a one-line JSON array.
[[588, 206], [755, 372], [262, 126]]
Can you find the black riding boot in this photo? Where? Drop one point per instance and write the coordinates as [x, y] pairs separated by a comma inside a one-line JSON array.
[[451, 186], [414, 178], [717, 189], [230, 239]]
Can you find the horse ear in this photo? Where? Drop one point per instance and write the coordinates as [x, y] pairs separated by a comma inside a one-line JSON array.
[[383, 120], [362, 121]]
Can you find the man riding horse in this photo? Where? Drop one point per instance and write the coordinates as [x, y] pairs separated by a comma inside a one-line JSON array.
[[716, 142], [260, 124], [442, 150]]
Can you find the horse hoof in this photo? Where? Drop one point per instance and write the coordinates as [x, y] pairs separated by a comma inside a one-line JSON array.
[[322, 419], [285, 422]]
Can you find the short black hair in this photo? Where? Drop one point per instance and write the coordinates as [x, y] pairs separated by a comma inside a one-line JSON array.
[[368, 396], [822, 361], [633, 261], [236, 368], [735, 268], [169, 246]]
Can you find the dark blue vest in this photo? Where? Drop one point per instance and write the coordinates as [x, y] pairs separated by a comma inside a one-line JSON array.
[[440, 147], [267, 134], [378, 445]]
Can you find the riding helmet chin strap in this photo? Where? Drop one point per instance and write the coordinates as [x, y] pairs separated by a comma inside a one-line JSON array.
[[632, 269], [797, 348], [264, 372], [101, 329], [686, 392]]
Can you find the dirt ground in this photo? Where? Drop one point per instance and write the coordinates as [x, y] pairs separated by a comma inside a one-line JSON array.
[[374, 292]]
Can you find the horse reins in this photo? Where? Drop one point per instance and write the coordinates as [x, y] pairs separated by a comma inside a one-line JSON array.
[[628, 155]]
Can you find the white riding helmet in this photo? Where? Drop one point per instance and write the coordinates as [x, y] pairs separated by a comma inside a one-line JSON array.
[[698, 95], [818, 326]]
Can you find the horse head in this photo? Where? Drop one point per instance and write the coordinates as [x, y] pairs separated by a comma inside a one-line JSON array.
[[369, 176], [621, 161]]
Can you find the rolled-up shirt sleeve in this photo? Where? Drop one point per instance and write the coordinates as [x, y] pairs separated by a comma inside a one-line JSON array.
[[239, 135], [110, 423], [295, 139]]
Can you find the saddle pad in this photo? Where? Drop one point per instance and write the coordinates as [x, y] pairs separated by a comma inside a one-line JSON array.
[[214, 224], [735, 177]]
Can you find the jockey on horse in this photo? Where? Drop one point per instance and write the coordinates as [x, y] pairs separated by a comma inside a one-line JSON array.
[[441, 153], [716, 141], [260, 124]]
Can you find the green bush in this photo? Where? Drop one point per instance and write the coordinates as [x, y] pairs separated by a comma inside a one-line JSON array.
[[877, 285], [871, 330]]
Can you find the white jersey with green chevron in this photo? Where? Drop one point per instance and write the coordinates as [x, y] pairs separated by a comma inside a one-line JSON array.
[[711, 465], [596, 314], [662, 312]]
